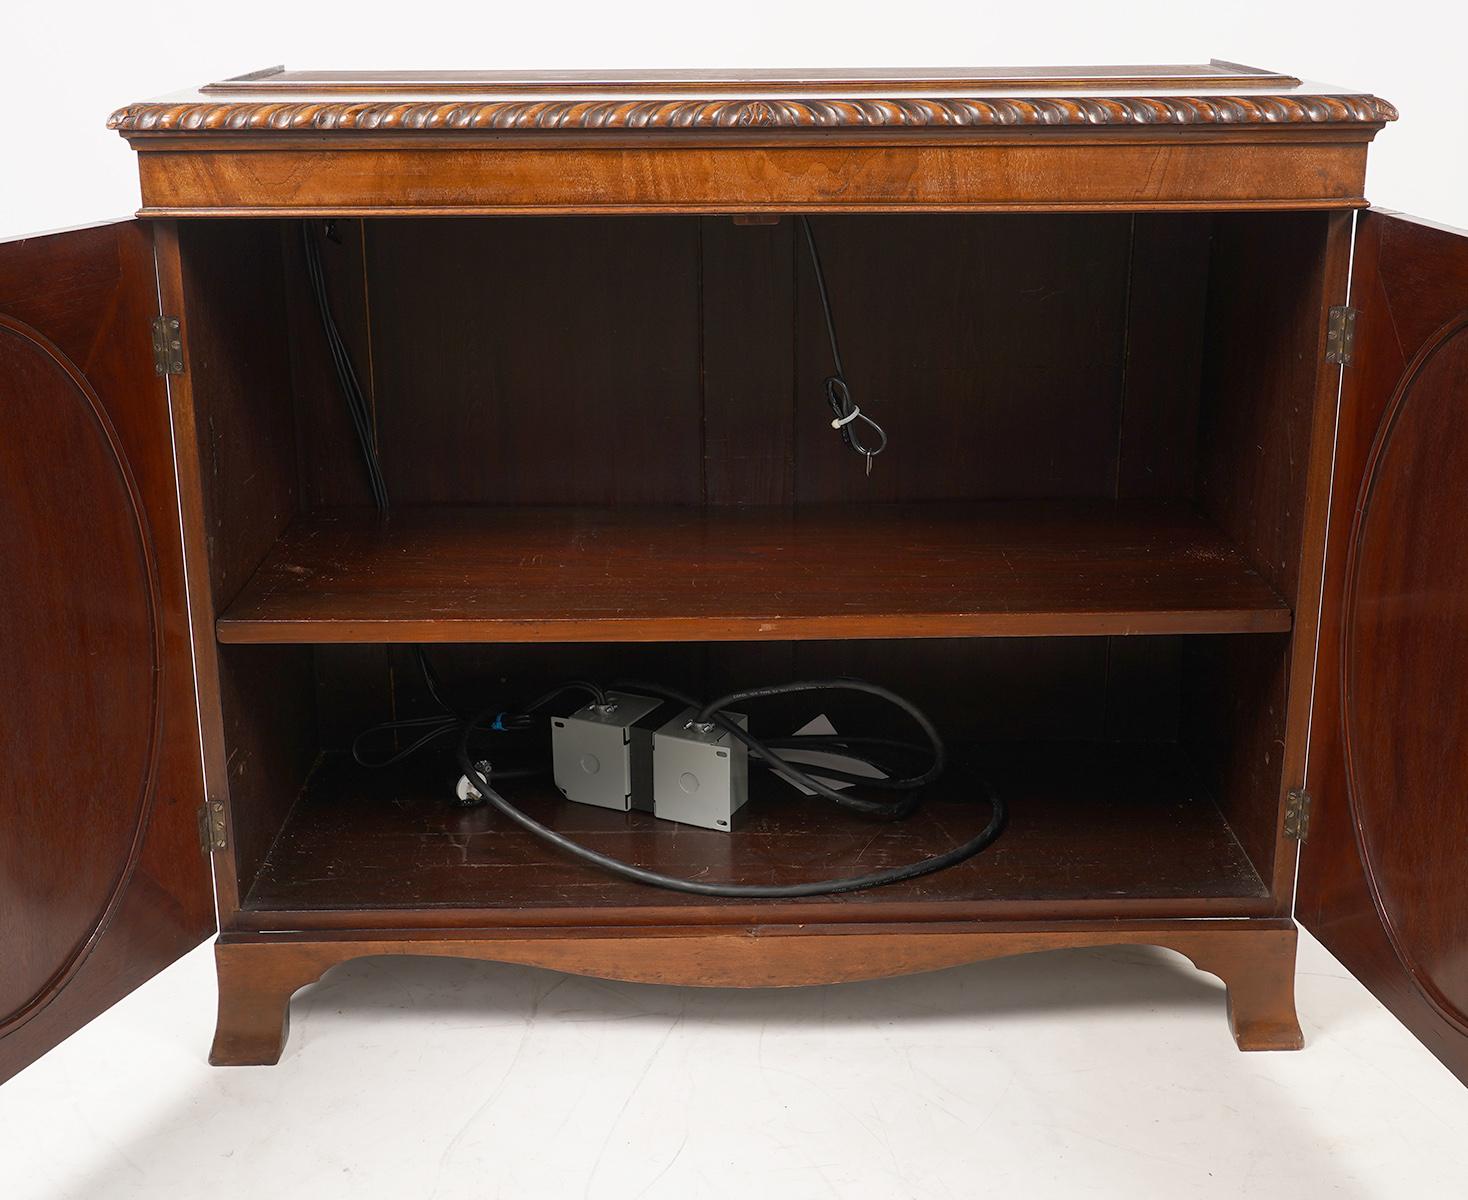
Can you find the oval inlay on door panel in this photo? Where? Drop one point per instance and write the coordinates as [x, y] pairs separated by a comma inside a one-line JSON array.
[[1405, 683], [83, 661]]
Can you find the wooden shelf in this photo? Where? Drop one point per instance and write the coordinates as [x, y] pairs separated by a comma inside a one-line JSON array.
[[1092, 826], [518, 574]]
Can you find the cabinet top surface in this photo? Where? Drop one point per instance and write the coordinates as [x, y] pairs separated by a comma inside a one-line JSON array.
[[1219, 94]]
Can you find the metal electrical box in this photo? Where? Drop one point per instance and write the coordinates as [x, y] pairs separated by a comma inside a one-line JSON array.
[[700, 774], [602, 754]]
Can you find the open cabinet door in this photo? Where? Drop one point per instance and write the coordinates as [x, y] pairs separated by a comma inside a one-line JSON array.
[[102, 881], [1384, 869]]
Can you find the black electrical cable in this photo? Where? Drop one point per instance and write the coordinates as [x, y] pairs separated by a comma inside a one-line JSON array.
[[940, 753], [823, 887], [346, 375], [838, 391], [713, 713], [598, 694], [765, 750], [431, 680], [431, 729]]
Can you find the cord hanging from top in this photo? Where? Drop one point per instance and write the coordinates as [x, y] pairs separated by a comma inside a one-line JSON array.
[[346, 375], [838, 392]]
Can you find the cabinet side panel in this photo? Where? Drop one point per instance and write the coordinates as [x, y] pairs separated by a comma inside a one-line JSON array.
[[240, 387], [1266, 438], [1272, 282], [234, 412], [1234, 697]]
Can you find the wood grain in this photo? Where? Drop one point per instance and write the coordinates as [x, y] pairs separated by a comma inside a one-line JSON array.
[[1131, 823], [964, 334], [1381, 879], [100, 886], [465, 177], [835, 100], [1266, 435], [940, 570], [537, 362], [747, 354], [1167, 324], [1145, 391], [331, 468], [741, 79], [990, 349], [238, 483], [1254, 959]]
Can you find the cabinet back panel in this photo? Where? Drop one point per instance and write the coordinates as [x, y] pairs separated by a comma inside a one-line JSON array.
[[966, 338], [331, 468], [1010, 689], [1167, 294], [537, 361], [681, 359]]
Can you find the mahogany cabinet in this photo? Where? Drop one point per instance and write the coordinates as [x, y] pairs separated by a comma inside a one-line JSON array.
[[1171, 537]]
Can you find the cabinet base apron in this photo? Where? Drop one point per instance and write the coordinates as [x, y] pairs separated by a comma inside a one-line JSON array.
[[259, 973]]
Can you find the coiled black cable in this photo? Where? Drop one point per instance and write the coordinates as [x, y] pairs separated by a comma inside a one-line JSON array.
[[615, 866], [712, 713]]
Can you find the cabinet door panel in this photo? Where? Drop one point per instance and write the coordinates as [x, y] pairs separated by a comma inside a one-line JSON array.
[[1384, 873], [102, 881]]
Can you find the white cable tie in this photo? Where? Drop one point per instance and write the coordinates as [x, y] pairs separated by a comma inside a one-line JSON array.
[[848, 419]]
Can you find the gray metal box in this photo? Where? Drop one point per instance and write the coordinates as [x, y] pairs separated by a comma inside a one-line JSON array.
[[602, 754], [699, 777]]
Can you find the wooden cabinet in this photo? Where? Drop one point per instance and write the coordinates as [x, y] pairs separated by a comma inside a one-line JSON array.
[[1171, 536]]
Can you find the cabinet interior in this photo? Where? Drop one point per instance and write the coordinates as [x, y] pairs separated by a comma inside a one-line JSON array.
[[1100, 428]]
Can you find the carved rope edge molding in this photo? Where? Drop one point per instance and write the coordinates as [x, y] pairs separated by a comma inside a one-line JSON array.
[[539, 115]]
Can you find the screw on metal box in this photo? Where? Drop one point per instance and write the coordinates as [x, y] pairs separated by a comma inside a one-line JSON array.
[[700, 772], [602, 754]]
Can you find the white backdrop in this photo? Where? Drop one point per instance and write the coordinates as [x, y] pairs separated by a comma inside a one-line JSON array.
[[65, 66], [1099, 1073]]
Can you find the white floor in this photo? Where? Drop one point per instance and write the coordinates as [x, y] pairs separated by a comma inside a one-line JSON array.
[[1081, 1073]]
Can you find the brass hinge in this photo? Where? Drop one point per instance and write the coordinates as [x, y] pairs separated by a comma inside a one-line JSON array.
[[167, 346], [213, 832], [1297, 815], [1340, 335]]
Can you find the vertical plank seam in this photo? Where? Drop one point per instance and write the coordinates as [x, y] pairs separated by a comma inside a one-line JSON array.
[[1121, 411], [793, 470], [700, 284], [1126, 351], [788, 479], [367, 328], [306, 490]]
